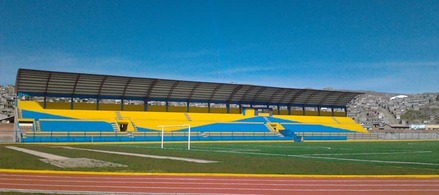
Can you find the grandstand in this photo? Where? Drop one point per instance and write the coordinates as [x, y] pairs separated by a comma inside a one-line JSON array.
[[68, 107]]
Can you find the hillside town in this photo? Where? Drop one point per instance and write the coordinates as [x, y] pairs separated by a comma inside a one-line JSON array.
[[7, 101], [395, 111], [374, 111]]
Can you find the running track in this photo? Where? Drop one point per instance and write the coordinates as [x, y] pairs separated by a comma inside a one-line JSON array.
[[69, 183]]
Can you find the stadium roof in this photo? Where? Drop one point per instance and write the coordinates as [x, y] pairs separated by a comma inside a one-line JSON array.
[[67, 84]]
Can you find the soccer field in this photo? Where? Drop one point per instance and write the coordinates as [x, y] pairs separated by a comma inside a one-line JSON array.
[[320, 158]]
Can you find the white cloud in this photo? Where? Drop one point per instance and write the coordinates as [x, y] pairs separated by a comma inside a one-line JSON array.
[[399, 77], [56, 61], [247, 69]]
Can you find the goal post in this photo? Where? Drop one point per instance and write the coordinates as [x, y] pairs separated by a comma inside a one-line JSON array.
[[184, 125]]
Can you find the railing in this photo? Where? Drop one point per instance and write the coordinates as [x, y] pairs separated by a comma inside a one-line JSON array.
[[374, 136], [8, 136], [146, 136]]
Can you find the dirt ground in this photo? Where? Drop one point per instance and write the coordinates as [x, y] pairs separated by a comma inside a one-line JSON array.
[[81, 162]]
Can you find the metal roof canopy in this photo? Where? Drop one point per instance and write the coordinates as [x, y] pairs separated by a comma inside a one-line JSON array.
[[66, 84]]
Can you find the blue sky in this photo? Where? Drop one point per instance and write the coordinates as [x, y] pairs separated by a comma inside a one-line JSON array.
[[386, 46]]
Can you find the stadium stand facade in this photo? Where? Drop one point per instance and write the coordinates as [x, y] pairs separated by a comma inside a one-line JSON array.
[[215, 111]]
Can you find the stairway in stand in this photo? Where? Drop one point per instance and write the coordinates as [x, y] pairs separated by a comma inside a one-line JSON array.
[[134, 126], [336, 121], [188, 118], [266, 119], [118, 116], [115, 126], [37, 126]]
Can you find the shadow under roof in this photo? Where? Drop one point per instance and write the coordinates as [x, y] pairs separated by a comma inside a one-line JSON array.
[[68, 84]]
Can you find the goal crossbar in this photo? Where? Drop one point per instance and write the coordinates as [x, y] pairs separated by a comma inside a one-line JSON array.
[[184, 125]]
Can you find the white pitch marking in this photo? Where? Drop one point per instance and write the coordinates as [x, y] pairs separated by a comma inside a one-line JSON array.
[[145, 155], [233, 149], [173, 148], [328, 158], [362, 160], [310, 147], [39, 154], [367, 153]]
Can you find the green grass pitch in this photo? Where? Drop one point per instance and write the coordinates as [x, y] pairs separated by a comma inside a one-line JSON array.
[[320, 158]]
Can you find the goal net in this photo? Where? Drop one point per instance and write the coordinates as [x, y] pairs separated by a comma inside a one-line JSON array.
[[163, 127]]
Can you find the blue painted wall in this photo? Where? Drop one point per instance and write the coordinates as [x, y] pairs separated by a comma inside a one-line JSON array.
[[231, 127], [75, 126], [39, 115], [311, 128]]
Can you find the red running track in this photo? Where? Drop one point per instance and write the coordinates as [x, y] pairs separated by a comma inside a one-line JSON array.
[[114, 184]]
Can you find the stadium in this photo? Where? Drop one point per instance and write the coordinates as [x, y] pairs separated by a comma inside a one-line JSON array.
[[79, 133], [214, 111]]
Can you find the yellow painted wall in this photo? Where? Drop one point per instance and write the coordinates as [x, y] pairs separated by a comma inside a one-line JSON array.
[[29, 105], [113, 107], [84, 106], [152, 120], [198, 109], [296, 112], [344, 122], [152, 108], [249, 112], [55, 105], [133, 107], [283, 112], [107, 116], [339, 114], [218, 110], [235, 110], [325, 113], [311, 113], [177, 109]]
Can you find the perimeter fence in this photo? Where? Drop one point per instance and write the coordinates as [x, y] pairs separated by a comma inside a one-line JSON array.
[[8, 136]]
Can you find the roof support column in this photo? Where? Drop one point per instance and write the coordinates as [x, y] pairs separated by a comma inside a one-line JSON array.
[[332, 111], [318, 110], [289, 109], [71, 103], [228, 107], [278, 109], [208, 107], [303, 110], [145, 105], [345, 111], [240, 108], [45, 102], [121, 104], [187, 106], [97, 103], [167, 106]]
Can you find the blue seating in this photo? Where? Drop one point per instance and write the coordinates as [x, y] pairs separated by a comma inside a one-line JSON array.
[[312, 128], [127, 138], [279, 120], [75, 126], [258, 119], [39, 115], [231, 127]]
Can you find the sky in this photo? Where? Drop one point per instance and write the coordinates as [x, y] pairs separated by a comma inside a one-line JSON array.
[[385, 46]]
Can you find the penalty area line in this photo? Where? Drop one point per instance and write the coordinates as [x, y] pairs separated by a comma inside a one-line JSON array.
[[321, 157]]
